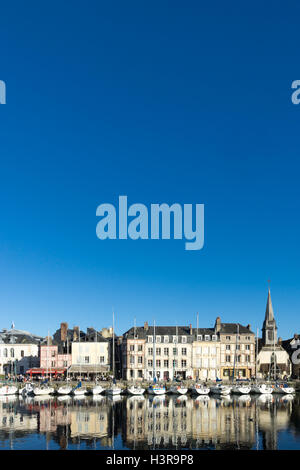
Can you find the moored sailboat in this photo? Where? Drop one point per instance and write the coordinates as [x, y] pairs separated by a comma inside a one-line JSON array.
[[113, 389], [8, 390], [199, 389]]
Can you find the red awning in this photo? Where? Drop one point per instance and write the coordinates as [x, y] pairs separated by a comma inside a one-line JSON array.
[[37, 370]]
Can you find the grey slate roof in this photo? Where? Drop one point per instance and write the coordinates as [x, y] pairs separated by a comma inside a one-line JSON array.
[[14, 336]]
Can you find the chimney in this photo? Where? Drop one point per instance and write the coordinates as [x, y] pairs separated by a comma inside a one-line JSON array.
[[146, 327], [218, 325], [248, 326], [279, 341], [63, 331], [295, 336], [191, 329], [75, 333]]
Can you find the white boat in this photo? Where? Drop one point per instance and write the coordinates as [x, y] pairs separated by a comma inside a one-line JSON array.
[[261, 389], [284, 389], [8, 390], [64, 390], [114, 390], [26, 390], [135, 390], [156, 390], [80, 391], [199, 389], [97, 390], [43, 390], [221, 389], [241, 389], [178, 390]]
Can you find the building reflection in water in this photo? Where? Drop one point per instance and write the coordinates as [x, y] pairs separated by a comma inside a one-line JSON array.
[[162, 422]]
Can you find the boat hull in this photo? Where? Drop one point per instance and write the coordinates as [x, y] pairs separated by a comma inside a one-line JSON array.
[[64, 391], [43, 391], [178, 390], [8, 390], [200, 390], [136, 391]]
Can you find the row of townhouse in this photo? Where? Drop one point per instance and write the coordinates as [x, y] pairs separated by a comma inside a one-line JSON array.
[[198, 353], [164, 352]]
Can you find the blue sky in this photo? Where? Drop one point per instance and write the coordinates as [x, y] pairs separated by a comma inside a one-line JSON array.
[[163, 102]]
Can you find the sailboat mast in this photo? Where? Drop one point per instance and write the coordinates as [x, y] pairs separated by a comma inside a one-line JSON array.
[[154, 342], [80, 358], [275, 365], [256, 371], [236, 344], [113, 344]]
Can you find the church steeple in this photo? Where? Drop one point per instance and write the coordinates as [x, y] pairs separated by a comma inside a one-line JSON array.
[[269, 328]]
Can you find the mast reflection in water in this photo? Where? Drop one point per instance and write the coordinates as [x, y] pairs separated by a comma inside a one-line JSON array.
[[156, 422]]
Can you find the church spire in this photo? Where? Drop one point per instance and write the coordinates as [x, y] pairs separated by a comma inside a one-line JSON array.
[[269, 316], [269, 330]]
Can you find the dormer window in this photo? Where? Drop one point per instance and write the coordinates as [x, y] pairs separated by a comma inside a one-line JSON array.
[[158, 339], [166, 339], [207, 337], [183, 339], [214, 337], [199, 337], [174, 339], [150, 339]]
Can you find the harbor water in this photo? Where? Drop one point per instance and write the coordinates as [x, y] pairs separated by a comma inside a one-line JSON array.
[[150, 422]]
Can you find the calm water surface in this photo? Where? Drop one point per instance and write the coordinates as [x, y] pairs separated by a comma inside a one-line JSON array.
[[256, 422]]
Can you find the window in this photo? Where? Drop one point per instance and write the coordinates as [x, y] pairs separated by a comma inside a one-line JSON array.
[[248, 358], [150, 363], [247, 347], [22, 353], [183, 339], [227, 347], [238, 359], [166, 351], [166, 339], [166, 363], [158, 351], [227, 358], [199, 337], [140, 374], [12, 353], [52, 363], [228, 338], [238, 347], [183, 363], [132, 347], [183, 351], [65, 363], [52, 353], [150, 339], [150, 351], [102, 359], [174, 339], [5, 352], [158, 363], [140, 360], [131, 360], [174, 363], [207, 337], [86, 359], [174, 351], [140, 347], [158, 339]]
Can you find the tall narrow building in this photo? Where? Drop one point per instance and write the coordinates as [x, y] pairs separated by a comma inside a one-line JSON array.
[[272, 361], [269, 329]]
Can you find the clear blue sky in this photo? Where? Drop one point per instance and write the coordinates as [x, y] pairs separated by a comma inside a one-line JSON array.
[[165, 101]]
